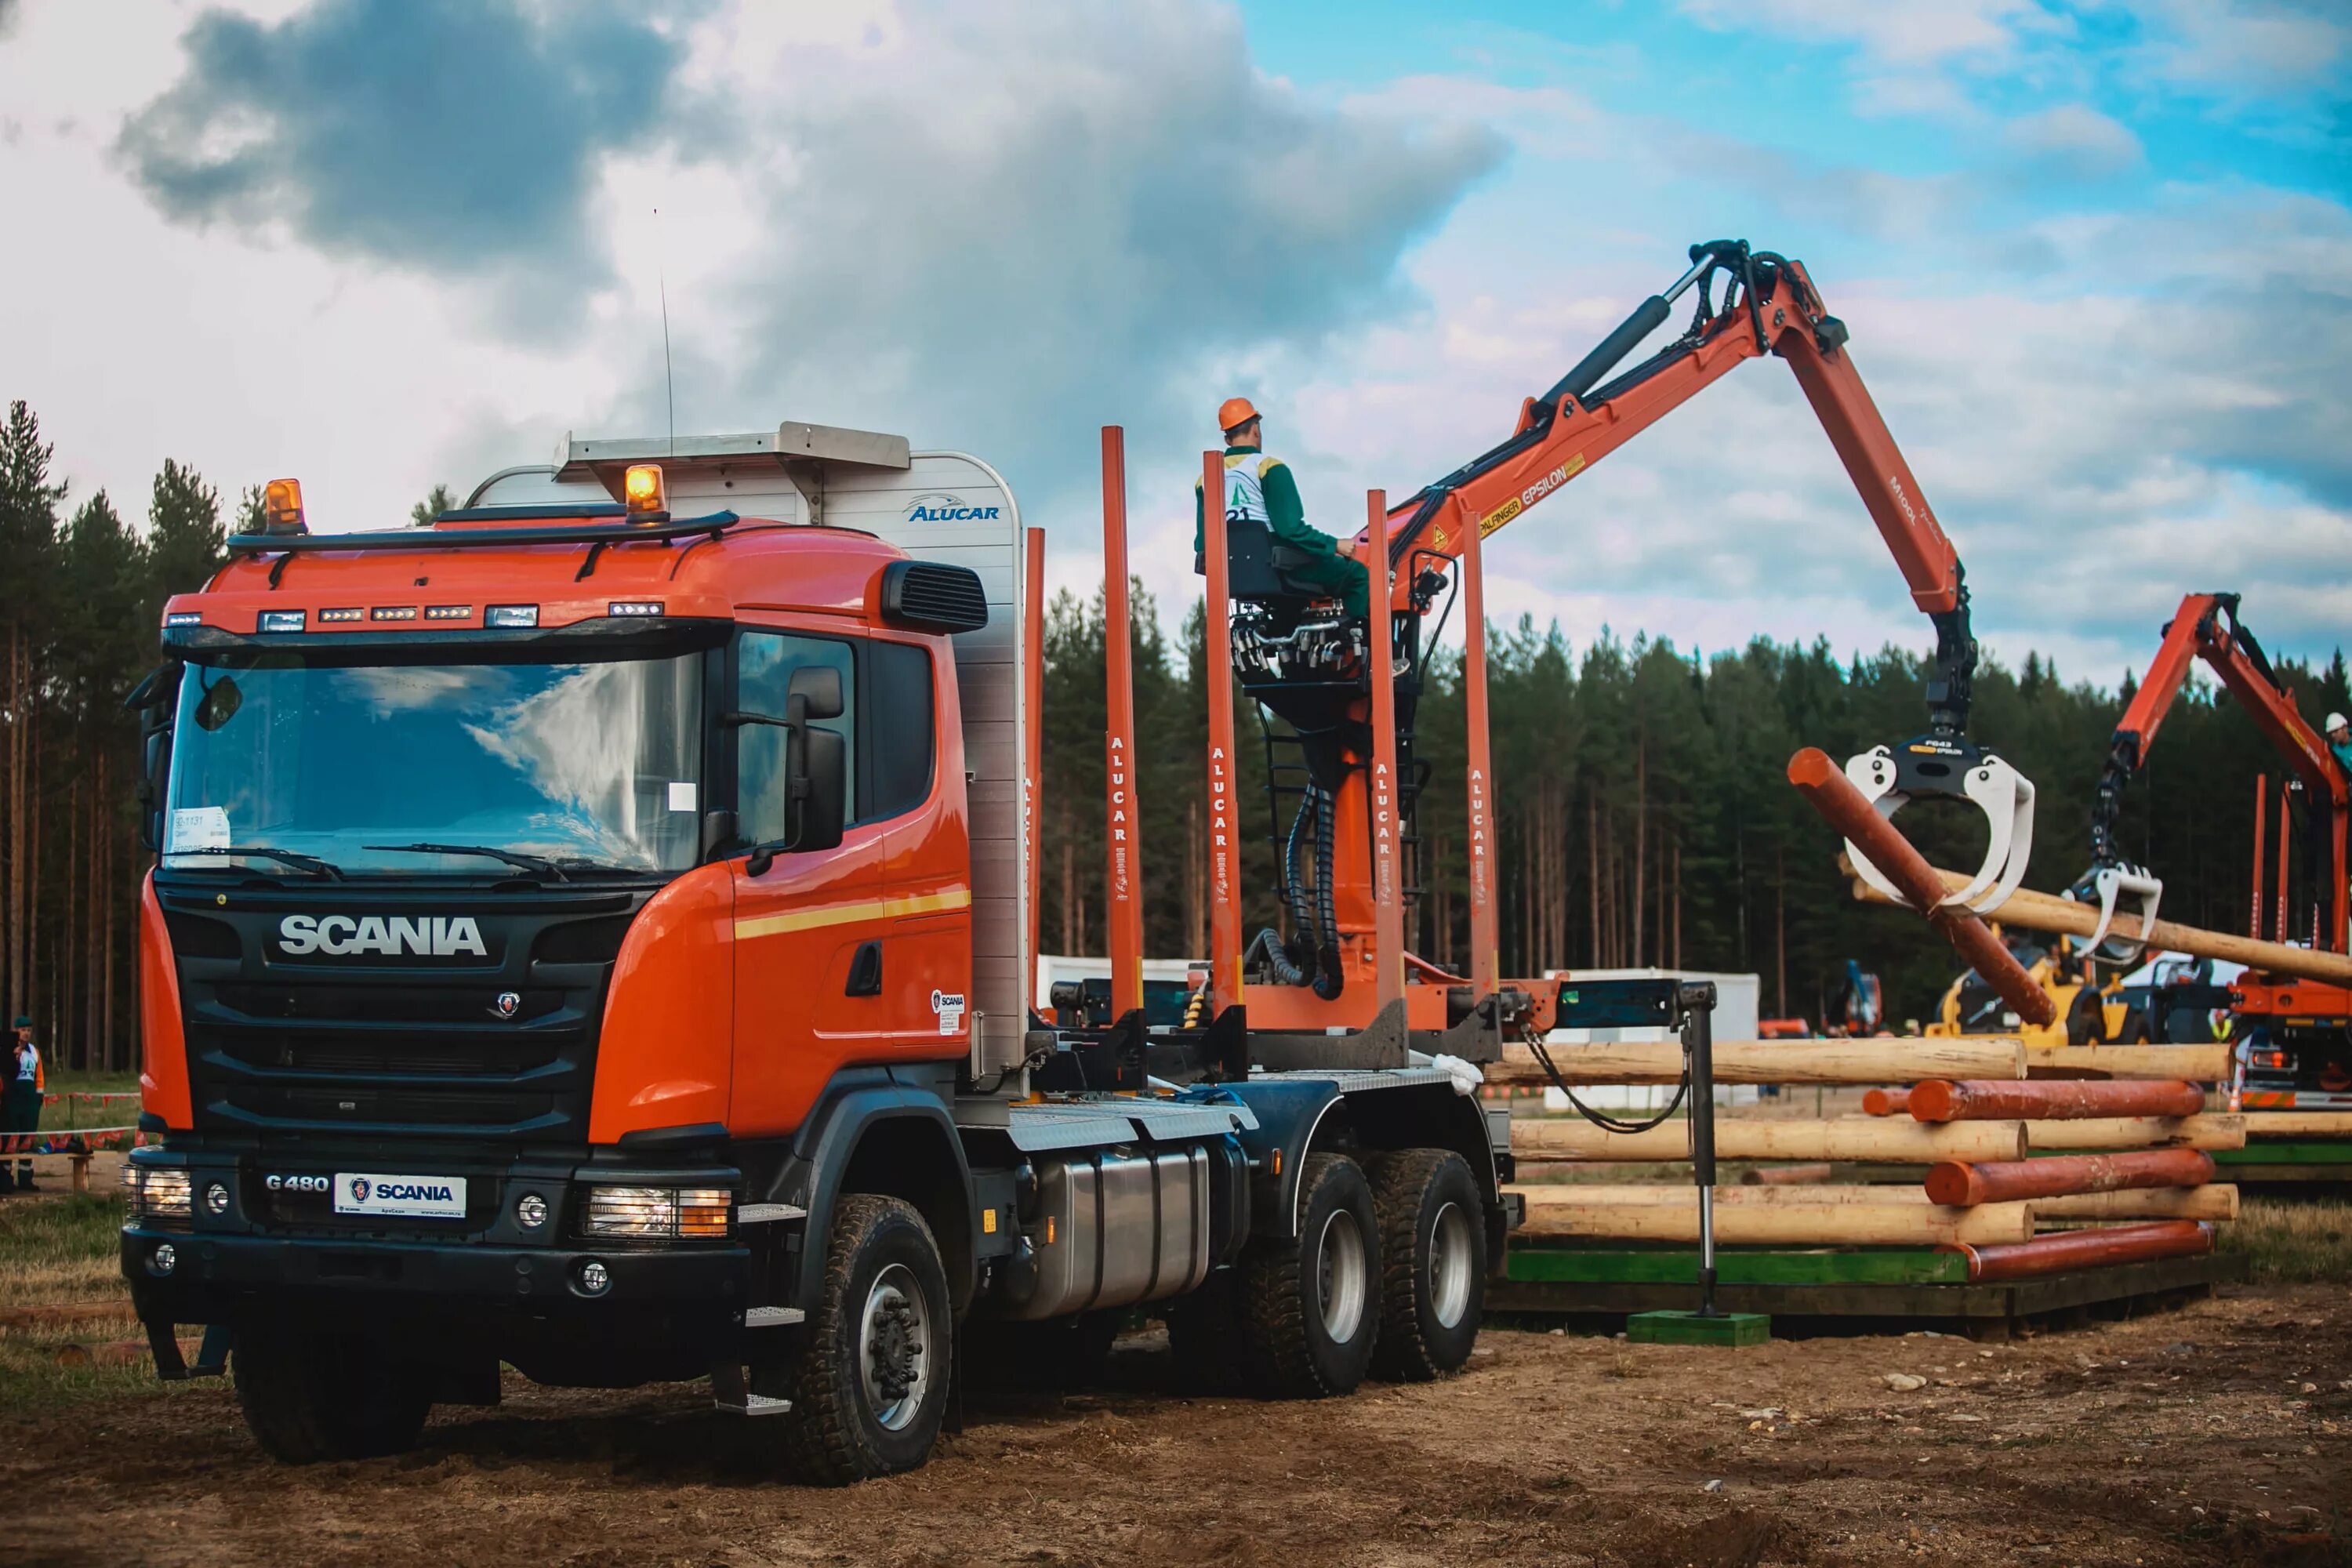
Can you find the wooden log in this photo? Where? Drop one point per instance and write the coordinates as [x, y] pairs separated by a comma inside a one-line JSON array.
[[2084, 1249], [1760, 1137], [2206, 1131], [1845, 808], [2048, 913], [1770, 1061], [2215, 1200], [2064, 1100], [1886, 1102], [1766, 1216], [2199, 1063], [2299, 1124], [1965, 1183], [1818, 1172]]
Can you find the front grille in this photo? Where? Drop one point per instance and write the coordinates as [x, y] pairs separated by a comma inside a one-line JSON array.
[[493, 1052]]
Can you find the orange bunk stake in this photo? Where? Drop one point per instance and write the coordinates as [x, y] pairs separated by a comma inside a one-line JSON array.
[[1122, 875], [2051, 1100], [1388, 897], [1224, 841], [1962, 1184], [1485, 957], [1886, 1101], [1845, 808], [2084, 1249], [1033, 679], [2287, 826], [2262, 836]]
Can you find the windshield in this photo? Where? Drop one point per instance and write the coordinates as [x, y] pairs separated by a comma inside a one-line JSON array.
[[577, 764]]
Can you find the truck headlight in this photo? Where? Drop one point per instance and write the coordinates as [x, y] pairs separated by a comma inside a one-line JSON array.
[[162, 1192], [659, 1214]]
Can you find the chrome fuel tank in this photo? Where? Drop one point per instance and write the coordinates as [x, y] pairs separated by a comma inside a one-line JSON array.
[[1112, 1229]]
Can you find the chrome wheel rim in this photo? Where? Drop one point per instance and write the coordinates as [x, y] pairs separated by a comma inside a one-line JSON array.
[[1451, 1253], [893, 1332], [1341, 1276]]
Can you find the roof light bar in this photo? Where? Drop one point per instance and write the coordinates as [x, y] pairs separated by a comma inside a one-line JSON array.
[[393, 612], [510, 617], [344, 613], [184, 618], [282, 620], [447, 612], [635, 607]]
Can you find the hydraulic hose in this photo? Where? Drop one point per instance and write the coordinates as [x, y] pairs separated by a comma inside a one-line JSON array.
[[1329, 979], [1293, 890], [1268, 949]]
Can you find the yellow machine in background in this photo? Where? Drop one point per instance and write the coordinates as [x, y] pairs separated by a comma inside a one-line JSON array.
[[2086, 1013]]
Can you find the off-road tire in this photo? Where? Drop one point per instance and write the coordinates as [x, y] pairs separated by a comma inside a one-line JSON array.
[[1287, 1351], [832, 1436], [1204, 1336], [309, 1397], [1411, 1188]]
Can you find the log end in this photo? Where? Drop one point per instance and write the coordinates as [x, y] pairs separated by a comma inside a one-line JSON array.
[[1932, 1100], [1954, 1184]]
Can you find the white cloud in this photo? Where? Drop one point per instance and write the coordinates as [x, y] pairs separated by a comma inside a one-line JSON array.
[[2073, 138], [1895, 32]]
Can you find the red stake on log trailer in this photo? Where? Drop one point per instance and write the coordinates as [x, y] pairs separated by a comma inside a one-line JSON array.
[[1886, 1101], [2084, 1249], [2050, 1100], [1224, 841], [1845, 808], [1123, 878], [1485, 944], [1388, 897], [1962, 1184], [1033, 686], [2262, 836]]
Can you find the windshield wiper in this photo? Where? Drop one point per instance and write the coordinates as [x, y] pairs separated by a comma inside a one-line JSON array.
[[294, 858], [539, 864]]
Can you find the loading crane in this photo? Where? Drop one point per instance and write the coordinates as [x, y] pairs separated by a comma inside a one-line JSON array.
[[2297, 1031], [1305, 661]]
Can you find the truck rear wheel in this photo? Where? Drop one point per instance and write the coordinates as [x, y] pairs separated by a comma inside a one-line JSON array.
[[1433, 1247], [309, 1397], [1310, 1304], [868, 1380]]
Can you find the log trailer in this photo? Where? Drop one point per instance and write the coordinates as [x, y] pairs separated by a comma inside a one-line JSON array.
[[1343, 803], [591, 934], [2296, 1032]]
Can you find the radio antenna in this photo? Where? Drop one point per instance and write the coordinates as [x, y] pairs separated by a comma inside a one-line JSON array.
[[661, 279]]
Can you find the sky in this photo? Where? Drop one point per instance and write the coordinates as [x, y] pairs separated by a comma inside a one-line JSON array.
[[2095, 257]]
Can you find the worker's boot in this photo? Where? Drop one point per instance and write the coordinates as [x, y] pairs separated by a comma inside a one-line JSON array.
[[25, 1177]]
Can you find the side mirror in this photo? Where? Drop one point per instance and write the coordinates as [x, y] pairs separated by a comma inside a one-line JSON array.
[[718, 835], [817, 687], [820, 785], [153, 699]]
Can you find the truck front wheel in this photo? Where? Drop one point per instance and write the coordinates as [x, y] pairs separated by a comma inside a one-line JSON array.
[[309, 1397], [1310, 1304], [868, 1380], [1433, 1241]]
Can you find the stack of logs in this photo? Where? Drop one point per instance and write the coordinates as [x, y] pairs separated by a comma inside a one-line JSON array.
[[2126, 1135]]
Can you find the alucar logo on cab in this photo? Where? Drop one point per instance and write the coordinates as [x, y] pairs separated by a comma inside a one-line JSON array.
[[941, 508], [431, 936]]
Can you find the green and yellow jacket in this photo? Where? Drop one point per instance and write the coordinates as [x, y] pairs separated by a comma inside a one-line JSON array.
[[1259, 488]]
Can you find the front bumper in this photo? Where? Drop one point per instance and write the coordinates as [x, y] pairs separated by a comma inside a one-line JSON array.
[[262, 1250]]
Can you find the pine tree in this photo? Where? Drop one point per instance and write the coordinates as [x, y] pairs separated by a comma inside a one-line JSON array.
[[436, 501]]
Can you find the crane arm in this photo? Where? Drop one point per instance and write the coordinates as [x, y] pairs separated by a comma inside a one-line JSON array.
[[1770, 306], [2206, 628]]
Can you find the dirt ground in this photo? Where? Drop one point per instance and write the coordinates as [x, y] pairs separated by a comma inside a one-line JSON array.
[[2217, 1433]]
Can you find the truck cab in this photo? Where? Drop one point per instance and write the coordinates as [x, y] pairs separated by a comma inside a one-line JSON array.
[[588, 935]]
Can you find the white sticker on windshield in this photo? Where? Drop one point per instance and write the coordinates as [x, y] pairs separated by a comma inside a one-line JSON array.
[[199, 827], [681, 796]]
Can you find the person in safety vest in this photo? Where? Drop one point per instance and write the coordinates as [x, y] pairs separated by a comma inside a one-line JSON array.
[[2339, 739], [21, 1078], [1260, 490]]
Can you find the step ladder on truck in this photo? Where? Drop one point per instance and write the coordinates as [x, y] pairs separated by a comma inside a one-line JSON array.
[[590, 934]]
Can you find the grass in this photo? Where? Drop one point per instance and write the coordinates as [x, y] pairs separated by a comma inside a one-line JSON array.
[[2293, 1242], [56, 1251]]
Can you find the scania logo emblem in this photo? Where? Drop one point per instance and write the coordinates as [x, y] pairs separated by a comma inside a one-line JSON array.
[[507, 1004], [360, 1189]]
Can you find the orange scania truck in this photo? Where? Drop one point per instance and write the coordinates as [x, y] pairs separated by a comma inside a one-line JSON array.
[[591, 934]]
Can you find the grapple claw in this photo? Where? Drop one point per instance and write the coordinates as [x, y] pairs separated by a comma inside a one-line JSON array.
[[2111, 885], [1991, 785]]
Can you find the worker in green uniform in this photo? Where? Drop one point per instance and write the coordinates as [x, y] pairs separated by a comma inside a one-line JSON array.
[[2339, 740], [1259, 491]]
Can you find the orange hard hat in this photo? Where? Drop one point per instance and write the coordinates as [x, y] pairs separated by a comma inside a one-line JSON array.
[[1235, 412]]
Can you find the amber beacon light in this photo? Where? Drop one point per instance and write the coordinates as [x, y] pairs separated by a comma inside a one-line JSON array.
[[643, 491]]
